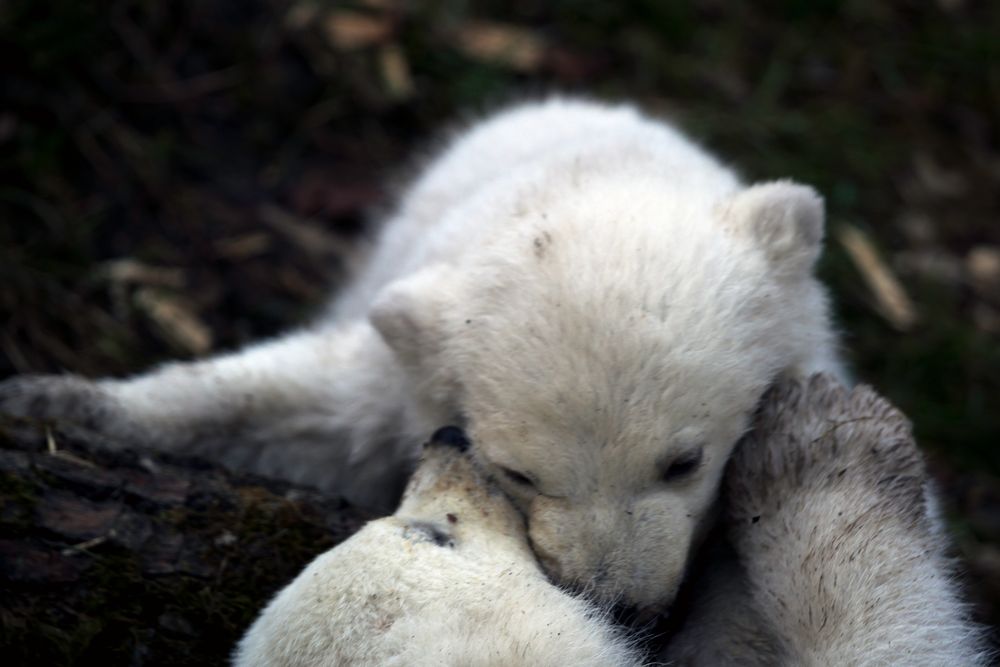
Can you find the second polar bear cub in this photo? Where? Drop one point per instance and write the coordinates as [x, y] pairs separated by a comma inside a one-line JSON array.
[[592, 296], [449, 579]]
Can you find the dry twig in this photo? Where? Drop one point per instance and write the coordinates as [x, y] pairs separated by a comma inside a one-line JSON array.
[[891, 298]]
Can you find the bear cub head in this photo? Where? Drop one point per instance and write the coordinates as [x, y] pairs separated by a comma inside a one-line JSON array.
[[607, 352]]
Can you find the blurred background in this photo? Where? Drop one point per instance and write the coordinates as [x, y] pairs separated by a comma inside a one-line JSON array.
[[179, 178]]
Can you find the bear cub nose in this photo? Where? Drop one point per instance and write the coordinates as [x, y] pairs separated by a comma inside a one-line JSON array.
[[450, 436]]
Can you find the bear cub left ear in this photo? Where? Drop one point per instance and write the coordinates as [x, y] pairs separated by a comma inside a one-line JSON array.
[[411, 314], [784, 219]]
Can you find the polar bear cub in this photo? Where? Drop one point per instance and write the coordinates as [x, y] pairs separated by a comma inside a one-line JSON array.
[[832, 555], [449, 579], [597, 300]]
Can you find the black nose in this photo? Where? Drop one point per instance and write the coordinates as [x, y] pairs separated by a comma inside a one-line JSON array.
[[450, 436]]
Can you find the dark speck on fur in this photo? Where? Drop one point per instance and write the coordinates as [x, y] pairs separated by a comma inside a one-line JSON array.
[[423, 531]]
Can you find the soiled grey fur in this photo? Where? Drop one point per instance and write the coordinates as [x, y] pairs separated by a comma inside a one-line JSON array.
[[838, 554]]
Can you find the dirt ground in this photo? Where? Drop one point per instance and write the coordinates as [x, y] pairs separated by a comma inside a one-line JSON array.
[[181, 178]]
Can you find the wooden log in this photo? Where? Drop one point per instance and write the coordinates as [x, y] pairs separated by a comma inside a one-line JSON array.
[[140, 558]]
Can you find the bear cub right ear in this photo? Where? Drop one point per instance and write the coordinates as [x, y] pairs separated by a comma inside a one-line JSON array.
[[449, 436], [785, 220]]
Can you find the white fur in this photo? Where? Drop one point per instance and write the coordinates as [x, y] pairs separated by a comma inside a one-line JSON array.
[[838, 557], [595, 297], [833, 557], [448, 580]]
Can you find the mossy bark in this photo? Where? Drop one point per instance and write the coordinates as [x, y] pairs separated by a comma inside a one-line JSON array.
[[139, 558]]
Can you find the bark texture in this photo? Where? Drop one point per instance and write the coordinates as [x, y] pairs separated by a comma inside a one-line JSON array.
[[130, 557]]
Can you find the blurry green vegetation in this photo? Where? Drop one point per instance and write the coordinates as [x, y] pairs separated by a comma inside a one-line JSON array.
[[162, 132]]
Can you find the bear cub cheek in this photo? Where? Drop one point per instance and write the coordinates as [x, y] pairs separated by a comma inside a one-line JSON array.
[[631, 556]]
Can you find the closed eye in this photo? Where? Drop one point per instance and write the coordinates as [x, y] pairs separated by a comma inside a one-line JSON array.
[[518, 478], [682, 467]]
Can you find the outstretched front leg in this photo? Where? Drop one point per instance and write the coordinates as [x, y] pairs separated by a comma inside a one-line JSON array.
[[325, 407], [839, 557]]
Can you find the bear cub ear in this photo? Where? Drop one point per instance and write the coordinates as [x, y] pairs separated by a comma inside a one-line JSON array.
[[411, 314], [786, 221]]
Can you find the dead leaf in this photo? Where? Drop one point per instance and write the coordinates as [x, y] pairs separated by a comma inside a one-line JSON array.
[[502, 44], [131, 271], [983, 267], [893, 302], [175, 319], [353, 30], [306, 234], [396, 72], [243, 246]]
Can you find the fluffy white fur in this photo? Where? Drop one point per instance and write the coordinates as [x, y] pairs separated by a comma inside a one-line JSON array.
[[596, 298], [448, 580], [837, 556], [831, 557]]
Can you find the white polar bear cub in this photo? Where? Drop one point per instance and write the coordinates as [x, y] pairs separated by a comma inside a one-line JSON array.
[[591, 295], [448, 580]]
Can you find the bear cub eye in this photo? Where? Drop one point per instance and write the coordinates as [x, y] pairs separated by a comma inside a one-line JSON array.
[[681, 467], [518, 478]]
